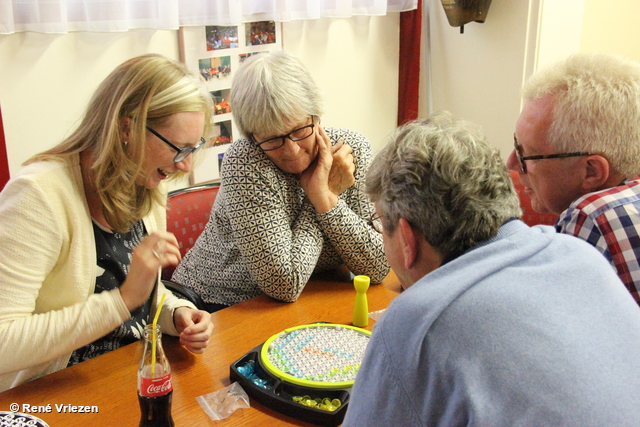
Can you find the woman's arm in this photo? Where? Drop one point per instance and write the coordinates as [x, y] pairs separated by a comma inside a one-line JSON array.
[[44, 309], [277, 233], [346, 225], [178, 316]]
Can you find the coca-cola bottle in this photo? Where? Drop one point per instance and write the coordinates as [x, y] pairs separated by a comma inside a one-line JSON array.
[[154, 385]]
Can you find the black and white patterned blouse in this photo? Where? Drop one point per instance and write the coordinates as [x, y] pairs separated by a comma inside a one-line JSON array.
[[262, 237]]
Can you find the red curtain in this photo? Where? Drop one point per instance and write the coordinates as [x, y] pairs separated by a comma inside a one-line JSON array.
[[409, 67], [4, 162]]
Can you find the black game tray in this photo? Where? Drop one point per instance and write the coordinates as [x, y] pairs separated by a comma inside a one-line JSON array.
[[276, 390]]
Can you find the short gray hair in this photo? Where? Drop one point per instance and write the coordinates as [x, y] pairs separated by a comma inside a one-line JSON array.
[[441, 175], [270, 91], [596, 107]]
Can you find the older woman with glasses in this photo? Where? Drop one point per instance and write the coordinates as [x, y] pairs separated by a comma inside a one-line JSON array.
[[291, 200], [83, 226]]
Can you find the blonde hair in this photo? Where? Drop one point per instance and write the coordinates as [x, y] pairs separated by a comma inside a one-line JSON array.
[[147, 89]]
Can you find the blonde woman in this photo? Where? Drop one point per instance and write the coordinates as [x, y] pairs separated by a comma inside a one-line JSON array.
[[83, 226]]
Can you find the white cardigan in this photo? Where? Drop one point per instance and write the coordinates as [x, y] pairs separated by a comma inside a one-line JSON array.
[[48, 307]]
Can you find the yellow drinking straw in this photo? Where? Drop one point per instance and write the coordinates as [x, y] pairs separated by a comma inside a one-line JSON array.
[[154, 337]]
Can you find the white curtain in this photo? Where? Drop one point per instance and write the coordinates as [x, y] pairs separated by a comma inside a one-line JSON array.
[[62, 16]]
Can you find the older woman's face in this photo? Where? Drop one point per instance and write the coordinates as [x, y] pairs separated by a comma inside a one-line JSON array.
[[293, 157], [182, 130]]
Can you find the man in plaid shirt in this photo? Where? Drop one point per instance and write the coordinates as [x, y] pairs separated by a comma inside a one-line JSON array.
[[577, 150]]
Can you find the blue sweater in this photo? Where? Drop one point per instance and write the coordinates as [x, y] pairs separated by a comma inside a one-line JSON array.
[[530, 328]]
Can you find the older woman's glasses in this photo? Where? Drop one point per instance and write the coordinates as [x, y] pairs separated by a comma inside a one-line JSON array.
[[375, 222], [181, 153], [295, 135], [521, 158]]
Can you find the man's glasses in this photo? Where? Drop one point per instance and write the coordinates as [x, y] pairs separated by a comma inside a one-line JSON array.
[[375, 222], [521, 158], [181, 153], [278, 141]]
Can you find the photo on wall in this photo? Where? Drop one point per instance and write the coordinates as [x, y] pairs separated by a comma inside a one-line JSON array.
[[218, 67], [257, 33], [222, 133], [215, 52], [219, 37], [221, 101], [244, 56]]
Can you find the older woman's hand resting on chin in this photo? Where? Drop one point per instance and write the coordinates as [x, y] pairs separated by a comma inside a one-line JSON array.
[[329, 174]]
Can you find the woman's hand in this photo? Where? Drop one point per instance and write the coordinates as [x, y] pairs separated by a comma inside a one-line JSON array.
[[342, 168], [329, 174], [194, 327], [159, 249]]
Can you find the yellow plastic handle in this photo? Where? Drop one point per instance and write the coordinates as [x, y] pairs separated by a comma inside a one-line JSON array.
[[361, 283]]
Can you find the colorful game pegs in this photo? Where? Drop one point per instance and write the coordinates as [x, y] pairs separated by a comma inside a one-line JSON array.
[[325, 404], [248, 370]]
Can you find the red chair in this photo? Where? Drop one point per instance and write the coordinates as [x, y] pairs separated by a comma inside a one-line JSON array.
[[529, 216], [188, 212], [4, 162]]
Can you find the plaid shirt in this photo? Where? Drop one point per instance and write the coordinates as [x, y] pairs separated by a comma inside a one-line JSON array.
[[610, 220]]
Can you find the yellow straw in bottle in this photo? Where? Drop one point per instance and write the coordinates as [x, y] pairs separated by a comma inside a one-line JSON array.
[[154, 337]]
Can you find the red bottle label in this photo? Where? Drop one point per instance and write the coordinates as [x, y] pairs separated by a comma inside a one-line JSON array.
[[152, 387]]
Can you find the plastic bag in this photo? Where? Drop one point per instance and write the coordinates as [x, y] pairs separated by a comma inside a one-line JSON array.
[[377, 315], [222, 403]]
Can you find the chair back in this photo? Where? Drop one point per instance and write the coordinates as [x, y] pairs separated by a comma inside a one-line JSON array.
[[188, 211], [4, 161], [529, 216]]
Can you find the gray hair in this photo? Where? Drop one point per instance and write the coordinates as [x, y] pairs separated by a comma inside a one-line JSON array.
[[596, 107], [270, 91], [441, 175]]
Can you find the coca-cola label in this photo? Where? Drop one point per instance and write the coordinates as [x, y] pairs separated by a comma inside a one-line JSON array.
[[152, 387]]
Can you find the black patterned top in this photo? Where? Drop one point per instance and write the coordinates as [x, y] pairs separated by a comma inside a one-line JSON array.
[[114, 251], [263, 237]]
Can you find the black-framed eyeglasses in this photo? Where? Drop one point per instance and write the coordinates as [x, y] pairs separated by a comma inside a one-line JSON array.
[[181, 153], [278, 141], [521, 158], [375, 222]]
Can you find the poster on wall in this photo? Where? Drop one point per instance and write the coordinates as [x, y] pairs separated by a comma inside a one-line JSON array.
[[215, 52]]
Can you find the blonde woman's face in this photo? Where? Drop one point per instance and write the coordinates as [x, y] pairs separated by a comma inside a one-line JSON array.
[[182, 130]]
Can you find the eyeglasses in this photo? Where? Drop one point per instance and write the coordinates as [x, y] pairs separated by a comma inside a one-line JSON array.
[[521, 158], [278, 141], [375, 222], [182, 153]]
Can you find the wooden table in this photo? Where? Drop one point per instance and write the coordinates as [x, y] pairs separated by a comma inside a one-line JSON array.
[[109, 381]]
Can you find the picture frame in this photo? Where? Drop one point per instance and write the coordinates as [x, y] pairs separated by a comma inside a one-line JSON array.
[[215, 53]]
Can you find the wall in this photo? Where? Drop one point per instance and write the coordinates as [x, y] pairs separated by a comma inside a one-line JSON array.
[[611, 27], [478, 75], [355, 62], [47, 80]]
